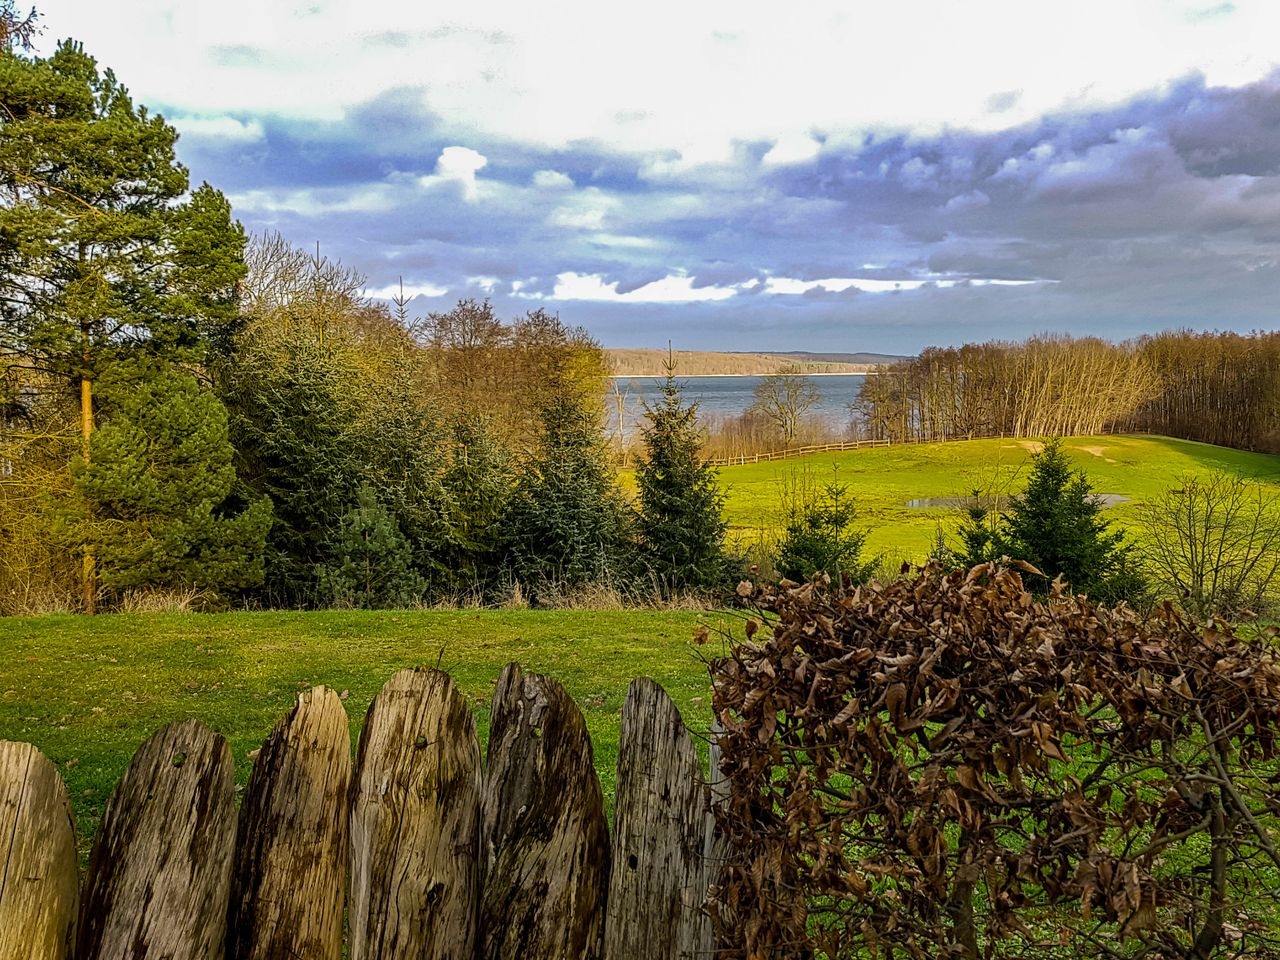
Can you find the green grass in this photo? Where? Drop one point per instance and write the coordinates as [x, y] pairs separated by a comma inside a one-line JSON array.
[[884, 479], [88, 691]]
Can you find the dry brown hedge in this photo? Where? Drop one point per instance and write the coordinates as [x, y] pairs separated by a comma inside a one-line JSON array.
[[945, 767]]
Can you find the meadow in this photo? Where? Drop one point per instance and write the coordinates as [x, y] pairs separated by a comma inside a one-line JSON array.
[[885, 479], [88, 690]]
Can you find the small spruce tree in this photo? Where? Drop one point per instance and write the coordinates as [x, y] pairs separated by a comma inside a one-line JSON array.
[[1056, 525], [820, 537], [568, 524], [681, 506], [478, 484], [156, 497], [371, 560]]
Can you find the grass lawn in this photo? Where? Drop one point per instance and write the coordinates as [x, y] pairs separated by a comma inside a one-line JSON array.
[[88, 691], [884, 479]]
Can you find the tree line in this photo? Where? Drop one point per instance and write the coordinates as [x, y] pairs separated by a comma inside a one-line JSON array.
[[1221, 388], [186, 407]]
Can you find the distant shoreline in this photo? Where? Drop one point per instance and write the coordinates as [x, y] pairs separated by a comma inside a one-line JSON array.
[[711, 376]]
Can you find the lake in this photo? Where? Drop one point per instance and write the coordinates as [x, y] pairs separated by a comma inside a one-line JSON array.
[[732, 395]]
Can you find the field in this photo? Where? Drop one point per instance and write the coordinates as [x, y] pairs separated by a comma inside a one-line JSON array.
[[88, 691], [885, 479]]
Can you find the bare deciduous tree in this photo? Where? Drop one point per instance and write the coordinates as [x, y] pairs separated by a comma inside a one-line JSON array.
[[1214, 542], [784, 397]]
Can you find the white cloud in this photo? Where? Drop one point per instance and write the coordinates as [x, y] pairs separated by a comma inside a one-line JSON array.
[[792, 149], [224, 128], [675, 288], [552, 180], [410, 290], [732, 71], [458, 165]]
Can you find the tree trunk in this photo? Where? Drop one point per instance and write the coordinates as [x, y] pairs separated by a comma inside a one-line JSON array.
[[89, 576]]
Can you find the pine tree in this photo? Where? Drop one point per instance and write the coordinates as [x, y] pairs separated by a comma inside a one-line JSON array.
[[101, 258], [681, 506], [1056, 525], [478, 485], [371, 565], [820, 537], [156, 496]]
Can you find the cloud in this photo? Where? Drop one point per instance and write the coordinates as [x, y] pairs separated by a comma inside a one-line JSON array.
[[223, 129], [459, 165], [552, 180], [670, 289], [1159, 211]]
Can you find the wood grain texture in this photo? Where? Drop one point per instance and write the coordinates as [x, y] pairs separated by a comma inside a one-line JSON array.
[[544, 833], [658, 882], [39, 873], [160, 873], [415, 818], [291, 853]]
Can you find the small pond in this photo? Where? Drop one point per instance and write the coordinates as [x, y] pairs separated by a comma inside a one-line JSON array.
[[996, 503]]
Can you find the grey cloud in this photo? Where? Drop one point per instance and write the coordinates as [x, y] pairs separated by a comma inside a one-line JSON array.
[[1157, 212]]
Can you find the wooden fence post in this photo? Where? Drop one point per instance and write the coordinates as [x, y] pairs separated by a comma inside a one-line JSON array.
[[160, 874], [544, 834], [291, 854], [39, 874], [658, 882], [415, 811]]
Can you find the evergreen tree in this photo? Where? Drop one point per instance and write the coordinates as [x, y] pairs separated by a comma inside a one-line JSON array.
[[100, 256], [820, 537], [478, 484], [371, 560], [156, 495], [568, 524], [1056, 525], [681, 507]]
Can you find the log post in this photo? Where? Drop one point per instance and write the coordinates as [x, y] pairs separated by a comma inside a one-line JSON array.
[[160, 873], [415, 812], [39, 873], [544, 835], [291, 852], [658, 885]]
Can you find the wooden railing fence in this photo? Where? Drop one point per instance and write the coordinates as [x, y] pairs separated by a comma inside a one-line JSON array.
[[447, 857]]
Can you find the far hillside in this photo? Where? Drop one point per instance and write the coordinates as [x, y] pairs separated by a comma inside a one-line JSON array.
[[700, 363]]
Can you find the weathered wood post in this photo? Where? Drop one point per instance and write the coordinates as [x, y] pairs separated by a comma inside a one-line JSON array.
[[160, 874], [544, 835], [291, 852], [658, 883], [39, 874], [415, 812]]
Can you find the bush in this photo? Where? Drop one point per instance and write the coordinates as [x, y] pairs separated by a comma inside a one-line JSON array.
[[820, 538], [1213, 544], [946, 767]]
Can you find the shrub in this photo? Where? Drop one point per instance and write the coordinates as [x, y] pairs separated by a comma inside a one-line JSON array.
[[946, 767], [820, 537]]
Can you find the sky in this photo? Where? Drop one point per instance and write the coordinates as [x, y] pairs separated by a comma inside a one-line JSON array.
[[824, 175]]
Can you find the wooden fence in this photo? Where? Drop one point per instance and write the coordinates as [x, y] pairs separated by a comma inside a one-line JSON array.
[[423, 849]]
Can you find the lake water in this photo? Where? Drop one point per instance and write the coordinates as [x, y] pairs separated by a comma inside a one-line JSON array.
[[732, 395]]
